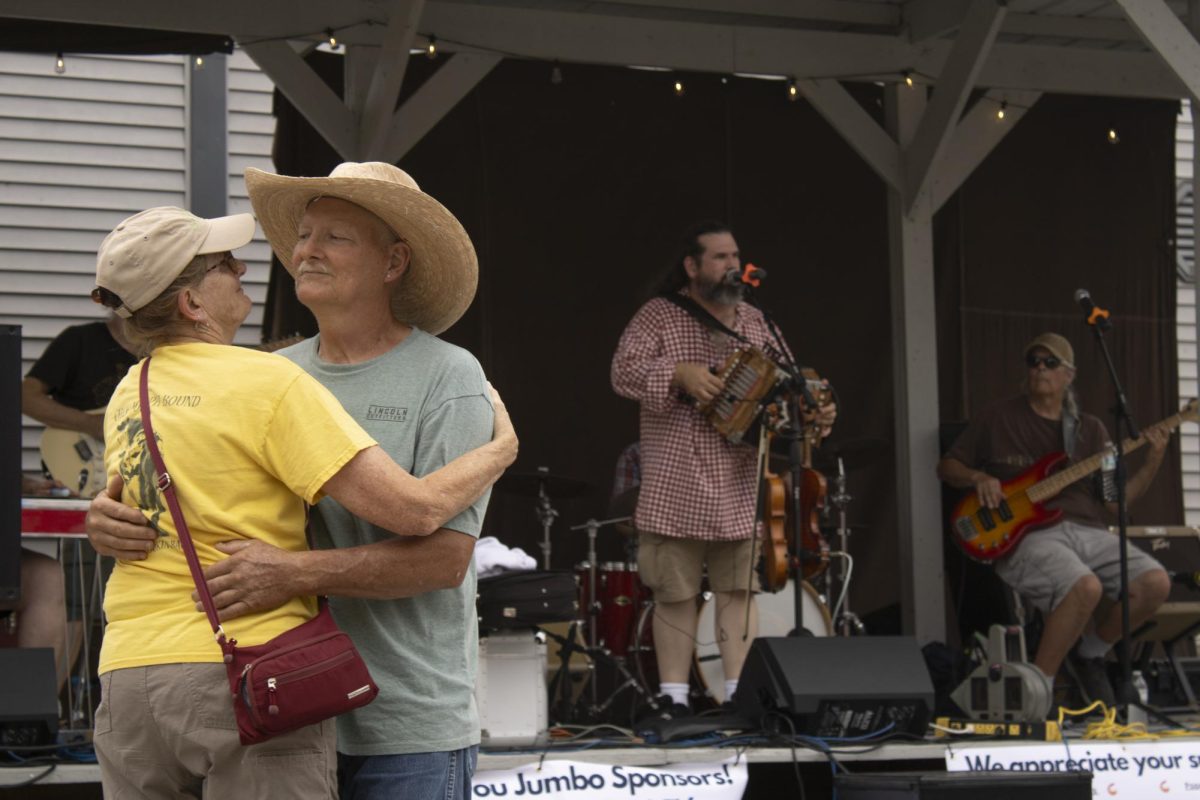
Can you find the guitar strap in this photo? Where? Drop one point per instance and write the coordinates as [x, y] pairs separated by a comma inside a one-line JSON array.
[[1070, 429]]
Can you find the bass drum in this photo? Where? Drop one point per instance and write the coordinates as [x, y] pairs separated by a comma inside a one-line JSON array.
[[776, 617]]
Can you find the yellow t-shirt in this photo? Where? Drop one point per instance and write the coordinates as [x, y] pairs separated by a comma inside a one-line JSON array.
[[247, 437]]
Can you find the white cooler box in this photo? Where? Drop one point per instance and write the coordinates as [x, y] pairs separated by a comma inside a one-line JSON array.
[[510, 689]]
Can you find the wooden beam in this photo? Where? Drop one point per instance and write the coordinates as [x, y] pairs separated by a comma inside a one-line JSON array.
[[851, 120], [623, 40], [385, 85], [359, 67], [1169, 37], [309, 94], [931, 19], [957, 78], [914, 372], [975, 137], [440, 93], [846, 12]]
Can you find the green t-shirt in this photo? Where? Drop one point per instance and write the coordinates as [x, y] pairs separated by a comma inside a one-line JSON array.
[[425, 402]]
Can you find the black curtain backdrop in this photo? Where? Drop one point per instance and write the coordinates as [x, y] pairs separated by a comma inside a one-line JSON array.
[[575, 195]]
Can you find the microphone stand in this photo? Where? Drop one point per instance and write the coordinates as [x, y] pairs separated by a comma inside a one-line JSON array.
[[794, 432], [1099, 323]]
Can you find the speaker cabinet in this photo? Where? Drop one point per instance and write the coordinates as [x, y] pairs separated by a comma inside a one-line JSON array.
[[1177, 548], [833, 686], [964, 786], [10, 466], [28, 697]]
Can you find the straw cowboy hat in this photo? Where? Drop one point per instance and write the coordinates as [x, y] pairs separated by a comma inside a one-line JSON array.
[[443, 272]]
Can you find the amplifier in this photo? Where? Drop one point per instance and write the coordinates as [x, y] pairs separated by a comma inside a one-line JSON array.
[[1177, 548]]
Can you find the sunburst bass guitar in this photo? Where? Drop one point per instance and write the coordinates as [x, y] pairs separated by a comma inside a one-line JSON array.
[[986, 534]]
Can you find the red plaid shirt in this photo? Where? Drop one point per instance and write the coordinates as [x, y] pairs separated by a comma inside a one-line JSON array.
[[695, 484]]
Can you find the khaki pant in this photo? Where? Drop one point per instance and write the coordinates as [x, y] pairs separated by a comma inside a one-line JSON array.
[[168, 731], [672, 566]]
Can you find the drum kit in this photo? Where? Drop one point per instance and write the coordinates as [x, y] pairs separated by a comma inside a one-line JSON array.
[[617, 609]]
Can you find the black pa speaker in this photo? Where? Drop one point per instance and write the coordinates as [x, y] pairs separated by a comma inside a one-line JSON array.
[[832, 687], [964, 786], [28, 697], [10, 466]]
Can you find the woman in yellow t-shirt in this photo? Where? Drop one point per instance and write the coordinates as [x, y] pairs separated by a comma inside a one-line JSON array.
[[249, 439]]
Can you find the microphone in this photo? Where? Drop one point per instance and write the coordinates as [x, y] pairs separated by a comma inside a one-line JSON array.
[[1093, 313], [753, 275]]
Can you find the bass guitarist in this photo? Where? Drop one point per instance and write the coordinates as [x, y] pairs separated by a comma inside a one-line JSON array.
[[696, 506], [1064, 569]]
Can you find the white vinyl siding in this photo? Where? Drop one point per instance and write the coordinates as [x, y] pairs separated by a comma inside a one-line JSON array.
[[1185, 318], [81, 151]]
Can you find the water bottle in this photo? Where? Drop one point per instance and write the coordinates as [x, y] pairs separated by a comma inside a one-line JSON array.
[[1137, 713]]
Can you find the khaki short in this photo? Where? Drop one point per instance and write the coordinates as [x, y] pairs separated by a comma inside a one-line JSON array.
[[169, 731], [1049, 562], [673, 567]]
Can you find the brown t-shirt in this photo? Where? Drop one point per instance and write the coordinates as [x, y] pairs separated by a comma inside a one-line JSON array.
[[1007, 438]]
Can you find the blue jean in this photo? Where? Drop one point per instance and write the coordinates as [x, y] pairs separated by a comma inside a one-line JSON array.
[[411, 776]]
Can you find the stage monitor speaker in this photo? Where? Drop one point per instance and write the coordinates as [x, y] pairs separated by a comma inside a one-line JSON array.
[[28, 697], [964, 786], [10, 466], [833, 686]]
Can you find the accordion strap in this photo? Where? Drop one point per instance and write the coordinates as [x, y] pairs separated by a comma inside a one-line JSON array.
[[702, 314]]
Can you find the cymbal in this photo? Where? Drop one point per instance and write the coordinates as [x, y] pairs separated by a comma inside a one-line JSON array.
[[855, 454], [529, 484]]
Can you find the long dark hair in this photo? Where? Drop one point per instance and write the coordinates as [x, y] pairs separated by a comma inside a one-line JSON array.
[[676, 277]]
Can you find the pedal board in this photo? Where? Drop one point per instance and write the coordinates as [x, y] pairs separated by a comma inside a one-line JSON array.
[[963, 728]]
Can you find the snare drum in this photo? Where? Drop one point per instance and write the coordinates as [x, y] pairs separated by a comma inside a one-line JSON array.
[[618, 600]]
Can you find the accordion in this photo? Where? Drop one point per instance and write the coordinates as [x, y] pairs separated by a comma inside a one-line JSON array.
[[749, 378]]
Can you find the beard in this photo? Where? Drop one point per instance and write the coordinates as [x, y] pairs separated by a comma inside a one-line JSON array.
[[720, 292]]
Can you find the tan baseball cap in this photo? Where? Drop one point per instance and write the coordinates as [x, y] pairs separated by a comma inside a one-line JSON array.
[[1057, 345], [147, 251]]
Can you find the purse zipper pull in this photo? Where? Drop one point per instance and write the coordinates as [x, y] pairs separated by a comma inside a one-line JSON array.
[[272, 708]]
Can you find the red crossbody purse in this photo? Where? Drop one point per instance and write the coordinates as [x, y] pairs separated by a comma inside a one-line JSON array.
[[302, 676]]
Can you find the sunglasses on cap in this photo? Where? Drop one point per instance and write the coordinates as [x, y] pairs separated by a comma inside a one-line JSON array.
[[1050, 362]]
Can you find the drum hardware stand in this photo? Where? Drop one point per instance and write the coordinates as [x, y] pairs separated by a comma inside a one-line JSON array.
[[846, 619], [546, 515], [593, 649]]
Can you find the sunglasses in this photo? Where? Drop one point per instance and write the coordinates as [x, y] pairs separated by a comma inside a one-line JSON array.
[[1050, 362], [227, 261]]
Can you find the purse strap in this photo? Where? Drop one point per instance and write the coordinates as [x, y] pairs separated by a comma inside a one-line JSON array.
[[167, 487]]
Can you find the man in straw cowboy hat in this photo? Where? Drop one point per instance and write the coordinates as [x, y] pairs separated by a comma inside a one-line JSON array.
[[1066, 568], [384, 268]]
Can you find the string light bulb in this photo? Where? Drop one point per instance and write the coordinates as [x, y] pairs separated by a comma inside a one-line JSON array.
[[198, 62], [792, 91], [331, 39], [556, 74], [908, 79], [431, 50], [1113, 138], [679, 88], [60, 65], [1002, 110]]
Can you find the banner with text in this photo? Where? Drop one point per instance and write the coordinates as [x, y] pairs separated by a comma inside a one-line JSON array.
[[580, 781], [1132, 769]]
